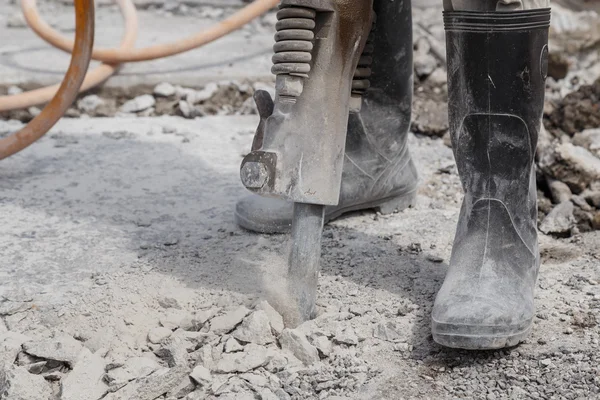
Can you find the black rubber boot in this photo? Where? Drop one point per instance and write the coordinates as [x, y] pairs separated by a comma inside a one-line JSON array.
[[497, 65], [378, 170]]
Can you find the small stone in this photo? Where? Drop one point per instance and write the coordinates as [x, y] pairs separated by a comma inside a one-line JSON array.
[[232, 346], [90, 103], [133, 368], [138, 104], [275, 318], [201, 376], [152, 386], [175, 318], [573, 165], [323, 344], [164, 89], [386, 332], [16, 20], [568, 331], [86, 381], [186, 109], [10, 346], [226, 323], [424, 62], [62, 348], [169, 302], [202, 317], [560, 191], [252, 357], [346, 336], [18, 384], [185, 387], [546, 362], [200, 96], [173, 351], [12, 90], [590, 139], [560, 220], [157, 335], [256, 328], [358, 309], [438, 77], [295, 342]]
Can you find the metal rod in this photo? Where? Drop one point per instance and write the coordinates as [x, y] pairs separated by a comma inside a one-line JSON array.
[[305, 256]]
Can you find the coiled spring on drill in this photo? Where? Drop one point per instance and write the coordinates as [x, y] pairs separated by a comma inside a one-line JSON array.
[[361, 82], [294, 41]]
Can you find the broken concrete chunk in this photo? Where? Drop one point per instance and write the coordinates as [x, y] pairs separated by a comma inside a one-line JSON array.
[[18, 384], [191, 341], [202, 317], [151, 386], [62, 348], [185, 387], [256, 328], [560, 220], [136, 367], [346, 336], [138, 104], [386, 332], [560, 191], [173, 351], [201, 376], [275, 318], [323, 344], [252, 357], [90, 103], [164, 89], [157, 335], [296, 343], [86, 381], [233, 346], [198, 96], [175, 318], [590, 139], [573, 165], [8, 307], [226, 323], [10, 346]]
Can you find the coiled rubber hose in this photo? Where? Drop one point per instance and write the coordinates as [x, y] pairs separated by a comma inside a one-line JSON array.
[[76, 80], [68, 90], [230, 24]]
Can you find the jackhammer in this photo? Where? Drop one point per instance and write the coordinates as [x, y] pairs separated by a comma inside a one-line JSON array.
[[322, 66]]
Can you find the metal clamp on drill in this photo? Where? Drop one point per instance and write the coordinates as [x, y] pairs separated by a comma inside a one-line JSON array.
[[298, 150]]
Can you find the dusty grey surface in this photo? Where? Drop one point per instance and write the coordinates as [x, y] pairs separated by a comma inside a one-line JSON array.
[[122, 269], [106, 218], [27, 59]]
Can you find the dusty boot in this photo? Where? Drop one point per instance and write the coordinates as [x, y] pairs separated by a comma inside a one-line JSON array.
[[497, 65], [378, 170]]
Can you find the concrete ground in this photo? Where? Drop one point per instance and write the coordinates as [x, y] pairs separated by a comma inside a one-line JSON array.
[[111, 224], [26, 59]]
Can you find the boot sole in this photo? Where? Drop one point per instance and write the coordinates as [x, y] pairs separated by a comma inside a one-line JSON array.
[[474, 341], [385, 206]]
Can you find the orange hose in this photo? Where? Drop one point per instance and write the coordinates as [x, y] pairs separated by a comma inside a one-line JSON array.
[[84, 43], [93, 78], [234, 22]]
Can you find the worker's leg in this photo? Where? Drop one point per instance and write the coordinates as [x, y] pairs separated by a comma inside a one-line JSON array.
[[497, 66], [378, 170]]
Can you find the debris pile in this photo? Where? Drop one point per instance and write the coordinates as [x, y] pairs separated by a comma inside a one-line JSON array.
[[231, 353]]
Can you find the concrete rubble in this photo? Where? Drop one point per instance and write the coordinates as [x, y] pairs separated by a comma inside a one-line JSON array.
[[147, 289]]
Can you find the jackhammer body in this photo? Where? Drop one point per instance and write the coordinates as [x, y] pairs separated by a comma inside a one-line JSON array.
[[298, 151]]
